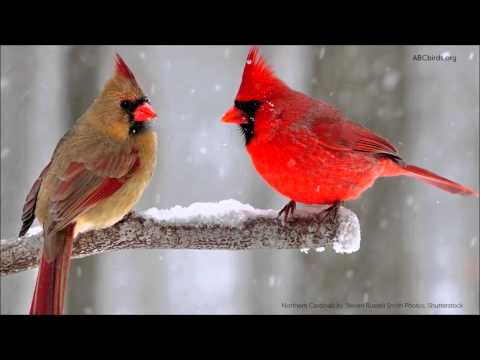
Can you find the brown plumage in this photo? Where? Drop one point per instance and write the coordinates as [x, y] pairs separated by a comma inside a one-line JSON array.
[[97, 173]]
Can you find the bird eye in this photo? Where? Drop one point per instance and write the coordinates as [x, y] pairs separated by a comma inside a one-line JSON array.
[[146, 99], [249, 108], [125, 104]]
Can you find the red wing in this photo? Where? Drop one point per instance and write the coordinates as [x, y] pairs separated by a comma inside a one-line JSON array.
[[85, 183], [28, 212], [344, 135]]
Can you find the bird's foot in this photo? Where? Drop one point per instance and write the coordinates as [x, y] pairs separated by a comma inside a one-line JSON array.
[[288, 210], [329, 215]]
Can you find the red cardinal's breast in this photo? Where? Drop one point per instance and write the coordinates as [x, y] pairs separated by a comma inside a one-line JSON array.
[[302, 169]]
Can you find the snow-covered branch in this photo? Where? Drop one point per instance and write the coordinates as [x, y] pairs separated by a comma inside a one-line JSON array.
[[227, 225]]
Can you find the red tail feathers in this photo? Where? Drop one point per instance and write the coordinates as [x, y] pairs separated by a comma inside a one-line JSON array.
[[52, 278], [438, 181]]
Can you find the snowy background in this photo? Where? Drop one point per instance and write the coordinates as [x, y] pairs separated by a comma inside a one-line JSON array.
[[419, 244]]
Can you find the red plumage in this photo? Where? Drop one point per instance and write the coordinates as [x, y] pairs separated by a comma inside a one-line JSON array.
[[123, 69], [306, 149], [49, 294]]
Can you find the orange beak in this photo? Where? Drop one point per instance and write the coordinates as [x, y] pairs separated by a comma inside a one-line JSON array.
[[144, 112], [234, 116]]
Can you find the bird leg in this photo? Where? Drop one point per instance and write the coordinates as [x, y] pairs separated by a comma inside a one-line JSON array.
[[288, 210], [329, 215]]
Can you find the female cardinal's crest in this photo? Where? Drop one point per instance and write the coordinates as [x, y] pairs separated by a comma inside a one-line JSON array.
[[258, 79], [122, 69]]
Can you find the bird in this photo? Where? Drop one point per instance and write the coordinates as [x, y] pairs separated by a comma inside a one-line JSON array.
[[309, 151], [98, 171]]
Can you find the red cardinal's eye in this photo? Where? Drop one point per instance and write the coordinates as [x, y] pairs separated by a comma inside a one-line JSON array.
[[249, 108], [125, 104]]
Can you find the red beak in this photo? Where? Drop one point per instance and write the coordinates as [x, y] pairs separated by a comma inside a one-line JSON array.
[[144, 112], [234, 116]]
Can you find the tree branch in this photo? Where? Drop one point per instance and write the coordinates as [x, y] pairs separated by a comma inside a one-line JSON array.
[[227, 225]]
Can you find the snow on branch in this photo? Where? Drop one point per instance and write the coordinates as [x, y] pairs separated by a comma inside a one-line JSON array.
[[227, 225]]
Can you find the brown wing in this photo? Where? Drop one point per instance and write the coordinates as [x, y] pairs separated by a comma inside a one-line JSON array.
[[84, 184], [344, 135], [28, 212]]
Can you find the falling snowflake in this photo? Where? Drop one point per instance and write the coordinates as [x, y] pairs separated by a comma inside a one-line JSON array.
[[409, 200], [88, 310], [473, 242], [365, 297], [3, 83], [221, 172], [383, 224], [321, 53], [4, 153], [349, 274], [390, 80], [226, 53]]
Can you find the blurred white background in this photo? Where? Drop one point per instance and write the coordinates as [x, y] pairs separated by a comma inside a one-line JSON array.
[[419, 244]]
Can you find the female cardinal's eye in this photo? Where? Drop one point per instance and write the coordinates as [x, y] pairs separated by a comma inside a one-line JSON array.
[[125, 104], [146, 99]]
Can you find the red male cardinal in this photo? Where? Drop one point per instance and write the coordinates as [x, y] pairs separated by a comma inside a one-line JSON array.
[[97, 173], [307, 150]]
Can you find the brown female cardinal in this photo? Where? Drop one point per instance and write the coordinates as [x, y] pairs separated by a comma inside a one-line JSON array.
[[97, 173], [307, 150]]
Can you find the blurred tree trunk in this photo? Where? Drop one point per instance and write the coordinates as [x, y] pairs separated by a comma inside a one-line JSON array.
[[365, 83], [82, 80], [33, 111]]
